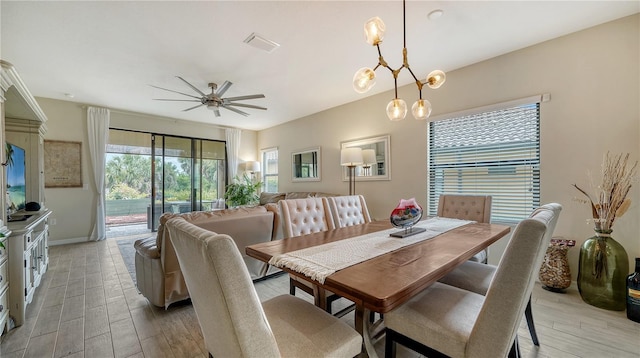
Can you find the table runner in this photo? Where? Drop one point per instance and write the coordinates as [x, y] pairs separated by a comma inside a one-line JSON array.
[[318, 262]]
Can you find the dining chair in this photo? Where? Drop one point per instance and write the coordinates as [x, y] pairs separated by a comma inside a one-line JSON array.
[[305, 216], [445, 320], [233, 321], [349, 210], [467, 207], [476, 277], [302, 217]]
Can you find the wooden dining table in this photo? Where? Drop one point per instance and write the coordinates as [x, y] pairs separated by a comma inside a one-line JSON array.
[[383, 283]]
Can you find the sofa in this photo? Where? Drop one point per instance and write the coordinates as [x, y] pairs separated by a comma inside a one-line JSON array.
[[158, 273]]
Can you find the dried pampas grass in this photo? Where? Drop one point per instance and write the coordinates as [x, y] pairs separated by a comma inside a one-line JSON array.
[[611, 200]]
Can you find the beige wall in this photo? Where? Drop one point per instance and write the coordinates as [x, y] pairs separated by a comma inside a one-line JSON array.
[[593, 77], [72, 208]]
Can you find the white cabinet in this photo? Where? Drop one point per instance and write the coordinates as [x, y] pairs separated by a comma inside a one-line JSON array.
[[4, 284], [28, 260]]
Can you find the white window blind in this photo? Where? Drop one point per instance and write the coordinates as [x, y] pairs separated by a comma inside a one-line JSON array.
[[270, 170], [493, 153]]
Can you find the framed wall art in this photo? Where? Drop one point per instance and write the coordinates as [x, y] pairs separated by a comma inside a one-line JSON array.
[[62, 164]]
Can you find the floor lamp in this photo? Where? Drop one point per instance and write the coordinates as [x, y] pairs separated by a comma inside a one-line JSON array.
[[252, 167], [351, 157]]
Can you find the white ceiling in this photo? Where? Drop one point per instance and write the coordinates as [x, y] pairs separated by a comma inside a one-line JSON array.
[[107, 53]]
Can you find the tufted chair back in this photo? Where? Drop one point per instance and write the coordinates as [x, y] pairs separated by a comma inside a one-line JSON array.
[[349, 210], [305, 216], [465, 207]]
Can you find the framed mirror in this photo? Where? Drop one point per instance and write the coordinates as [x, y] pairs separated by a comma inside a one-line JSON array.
[[305, 164], [376, 156]]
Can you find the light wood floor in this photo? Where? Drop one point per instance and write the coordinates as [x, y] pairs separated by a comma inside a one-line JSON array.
[[87, 306]]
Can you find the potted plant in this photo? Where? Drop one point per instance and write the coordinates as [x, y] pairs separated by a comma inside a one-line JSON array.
[[241, 193], [604, 265]]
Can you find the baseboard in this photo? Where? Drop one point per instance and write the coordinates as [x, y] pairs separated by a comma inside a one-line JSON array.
[[75, 240]]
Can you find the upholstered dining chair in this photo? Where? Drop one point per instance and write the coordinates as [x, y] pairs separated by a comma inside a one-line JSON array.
[[305, 216], [234, 323], [302, 217], [467, 207], [445, 320], [349, 210], [476, 277]]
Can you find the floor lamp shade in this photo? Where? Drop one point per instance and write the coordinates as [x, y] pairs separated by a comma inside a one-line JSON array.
[[351, 157], [252, 166]]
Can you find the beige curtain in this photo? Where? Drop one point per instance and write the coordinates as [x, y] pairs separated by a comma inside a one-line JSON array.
[[233, 147], [98, 133]]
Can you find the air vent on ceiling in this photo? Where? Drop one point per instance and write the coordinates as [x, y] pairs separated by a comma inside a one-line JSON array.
[[261, 43]]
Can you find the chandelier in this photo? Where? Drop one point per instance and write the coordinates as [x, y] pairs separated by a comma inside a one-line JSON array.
[[365, 78]]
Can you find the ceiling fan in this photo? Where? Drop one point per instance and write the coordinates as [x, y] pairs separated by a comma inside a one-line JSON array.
[[214, 100]]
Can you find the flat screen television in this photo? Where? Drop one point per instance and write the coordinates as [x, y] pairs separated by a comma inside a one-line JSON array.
[[16, 178]]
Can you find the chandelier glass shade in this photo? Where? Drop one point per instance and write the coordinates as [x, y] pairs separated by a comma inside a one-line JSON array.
[[365, 78], [397, 109], [421, 109], [374, 31]]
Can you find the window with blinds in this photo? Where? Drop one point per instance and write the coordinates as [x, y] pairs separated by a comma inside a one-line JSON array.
[[493, 153], [270, 170]]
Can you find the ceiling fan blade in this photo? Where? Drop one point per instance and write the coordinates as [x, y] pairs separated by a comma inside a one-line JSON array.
[[192, 86], [244, 105], [194, 107], [177, 100], [240, 98], [222, 89], [184, 94], [235, 110]]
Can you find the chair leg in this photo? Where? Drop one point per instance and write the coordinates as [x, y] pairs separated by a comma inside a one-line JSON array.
[[515, 349], [389, 346], [532, 328], [292, 287]]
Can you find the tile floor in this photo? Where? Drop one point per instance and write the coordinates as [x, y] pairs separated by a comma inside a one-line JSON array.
[[88, 306]]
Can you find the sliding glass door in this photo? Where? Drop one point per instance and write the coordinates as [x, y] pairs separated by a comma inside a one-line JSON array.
[[150, 174]]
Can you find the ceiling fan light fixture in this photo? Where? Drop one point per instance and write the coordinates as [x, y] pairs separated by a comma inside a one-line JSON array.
[[214, 100]]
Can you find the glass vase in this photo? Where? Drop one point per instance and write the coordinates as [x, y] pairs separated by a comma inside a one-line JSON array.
[[602, 272]]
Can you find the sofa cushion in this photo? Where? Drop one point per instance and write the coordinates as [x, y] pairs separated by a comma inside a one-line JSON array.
[[268, 198], [147, 247], [196, 217], [323, 195], [299, 195]]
